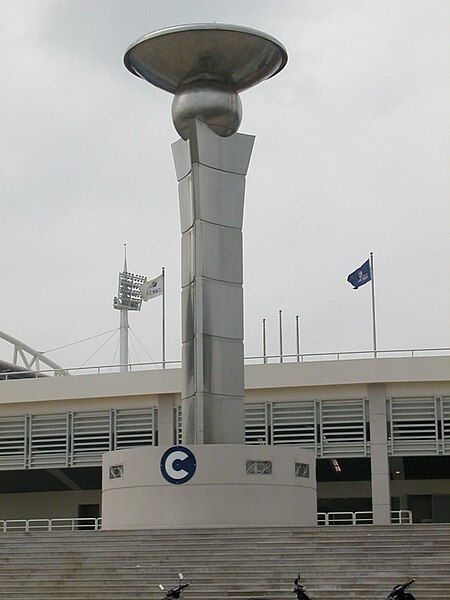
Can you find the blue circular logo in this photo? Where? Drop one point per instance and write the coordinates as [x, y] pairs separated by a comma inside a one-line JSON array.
[[178, 464]]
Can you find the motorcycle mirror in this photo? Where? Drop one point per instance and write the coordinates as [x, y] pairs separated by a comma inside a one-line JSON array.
[[180, 576], [161, 587]]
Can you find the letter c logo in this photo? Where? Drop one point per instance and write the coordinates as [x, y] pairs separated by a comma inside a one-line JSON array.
[[178, 464]]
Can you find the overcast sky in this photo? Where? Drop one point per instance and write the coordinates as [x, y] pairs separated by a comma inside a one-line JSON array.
[[351, 156]]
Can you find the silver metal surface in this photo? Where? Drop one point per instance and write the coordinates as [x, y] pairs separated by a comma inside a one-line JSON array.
[[212, 102], [223, 414], [228, 156], [211, 210], [237, 56], [187, 257], [186, 203], [222, 252], [205, 65], [231, 323], [215, 293], [222, 374], [222, 201], [181, 158], [216, 185]]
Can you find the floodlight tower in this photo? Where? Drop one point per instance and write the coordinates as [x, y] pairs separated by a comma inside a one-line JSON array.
[[128, 298]]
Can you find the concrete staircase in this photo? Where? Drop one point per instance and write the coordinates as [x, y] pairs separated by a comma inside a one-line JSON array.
[[227, 564]]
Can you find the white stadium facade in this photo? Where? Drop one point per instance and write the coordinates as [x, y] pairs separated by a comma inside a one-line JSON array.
[[379, 427]]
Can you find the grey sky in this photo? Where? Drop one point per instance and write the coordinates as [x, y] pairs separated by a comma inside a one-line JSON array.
[[351, 156]]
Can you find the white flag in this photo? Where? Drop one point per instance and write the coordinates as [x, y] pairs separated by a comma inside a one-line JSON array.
[[152, 288]]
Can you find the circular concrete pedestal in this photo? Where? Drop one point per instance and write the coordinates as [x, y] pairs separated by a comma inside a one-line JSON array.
[[233, 485]]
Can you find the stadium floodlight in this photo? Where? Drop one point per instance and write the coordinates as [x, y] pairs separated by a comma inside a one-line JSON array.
[[129, 294]]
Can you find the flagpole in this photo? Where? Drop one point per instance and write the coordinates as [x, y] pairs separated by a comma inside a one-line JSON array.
[[280, 312], [297, 331], [264, 341], [164, 319], [374, 325]]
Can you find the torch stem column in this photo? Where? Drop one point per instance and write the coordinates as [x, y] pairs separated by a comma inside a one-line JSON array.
[[211, 174]]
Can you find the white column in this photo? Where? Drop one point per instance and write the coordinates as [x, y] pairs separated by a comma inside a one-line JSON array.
[[379, 460], [166, 425]]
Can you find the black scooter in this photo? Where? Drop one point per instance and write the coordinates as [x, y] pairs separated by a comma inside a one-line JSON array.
[[400, 593], [299, 589], [174, 592]]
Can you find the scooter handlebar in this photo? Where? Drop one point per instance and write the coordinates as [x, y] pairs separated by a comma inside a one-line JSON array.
[[400, 588]]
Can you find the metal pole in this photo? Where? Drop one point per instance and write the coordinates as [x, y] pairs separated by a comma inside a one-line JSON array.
[[281, 334], [297, 331], [374, 323], [264, 341], [164, 319], [123, 340], [123, 351]]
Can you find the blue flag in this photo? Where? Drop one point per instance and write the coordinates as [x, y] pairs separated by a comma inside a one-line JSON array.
[[360, 276]]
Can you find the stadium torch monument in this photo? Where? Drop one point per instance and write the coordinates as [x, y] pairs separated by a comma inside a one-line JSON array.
[[213, 478]]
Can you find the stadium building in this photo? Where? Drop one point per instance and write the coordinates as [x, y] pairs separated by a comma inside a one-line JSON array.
[[380, 429]]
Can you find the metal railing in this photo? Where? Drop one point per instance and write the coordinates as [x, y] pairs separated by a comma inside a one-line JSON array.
[[248, 360], [365, 517], [398, 517], [78, 524], [348, 355]]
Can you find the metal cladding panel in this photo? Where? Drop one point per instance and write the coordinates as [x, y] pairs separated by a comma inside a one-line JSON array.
[[191, 428], [187, 313], [221, 253], [186, 203], [189, 376], [224, 419], [222, 309], [223, 371], [181, 158], [231, 154], [187, 257], [219, 196]]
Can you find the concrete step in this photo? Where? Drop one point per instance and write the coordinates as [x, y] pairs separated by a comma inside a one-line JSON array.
[[231, 564]]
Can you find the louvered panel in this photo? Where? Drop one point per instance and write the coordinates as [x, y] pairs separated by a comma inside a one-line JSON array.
[[343, 428], [134, 427], [256, 430], [414, 426], [48, 441], [446, 424], [91, 437], [12, 442], [294, 423], [178, 433]]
